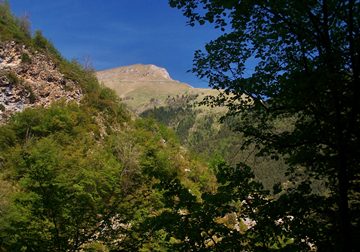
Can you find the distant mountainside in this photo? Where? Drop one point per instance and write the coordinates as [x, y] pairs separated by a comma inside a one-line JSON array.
[[149, 91], [144, 87]]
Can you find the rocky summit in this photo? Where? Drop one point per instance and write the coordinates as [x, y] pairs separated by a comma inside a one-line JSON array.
[[30, 78]]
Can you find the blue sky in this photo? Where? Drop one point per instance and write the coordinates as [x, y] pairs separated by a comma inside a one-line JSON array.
[[119, 32]]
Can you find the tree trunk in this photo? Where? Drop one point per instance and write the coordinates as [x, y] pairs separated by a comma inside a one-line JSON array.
[[343, 187]]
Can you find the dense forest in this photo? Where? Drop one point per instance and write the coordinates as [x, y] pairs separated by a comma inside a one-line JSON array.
[[280, 172], [199, 129]]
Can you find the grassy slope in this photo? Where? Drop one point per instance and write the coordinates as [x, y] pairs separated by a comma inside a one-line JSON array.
[[142, 88]]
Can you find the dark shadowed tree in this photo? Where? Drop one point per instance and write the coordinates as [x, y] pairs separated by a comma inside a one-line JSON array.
[[301, 97]]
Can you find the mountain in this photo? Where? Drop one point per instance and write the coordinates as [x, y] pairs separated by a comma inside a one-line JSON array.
[[143, 87], [150, 92]]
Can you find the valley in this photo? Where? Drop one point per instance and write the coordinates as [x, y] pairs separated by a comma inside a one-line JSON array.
[[149, 92]]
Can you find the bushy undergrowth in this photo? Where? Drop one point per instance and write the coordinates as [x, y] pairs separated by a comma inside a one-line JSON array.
[[10, 26], [71, 183]]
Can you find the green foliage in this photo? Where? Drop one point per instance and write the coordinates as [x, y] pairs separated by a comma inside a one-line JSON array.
[[216, 222], [84, 176], [42, 122], [13, 79], [41, 43], [96, 96], [202, 134], [74, 71], [9, 26], [70, 184], [107, 101], [61, 192], [95, 247], [306, 74], [77, 189], [25, 58], [7, 137]]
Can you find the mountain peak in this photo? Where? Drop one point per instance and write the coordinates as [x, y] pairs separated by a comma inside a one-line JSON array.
[[137, 72], [155, 70]]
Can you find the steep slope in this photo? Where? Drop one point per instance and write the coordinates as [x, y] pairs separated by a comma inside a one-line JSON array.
[[29, 79]]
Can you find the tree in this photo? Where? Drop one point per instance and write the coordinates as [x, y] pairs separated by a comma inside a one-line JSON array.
[[216, 222], [302, 98]]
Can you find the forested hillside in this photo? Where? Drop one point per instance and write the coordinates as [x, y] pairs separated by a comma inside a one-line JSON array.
[[80, 171], [150, 92], [202, 131], [79, 174]]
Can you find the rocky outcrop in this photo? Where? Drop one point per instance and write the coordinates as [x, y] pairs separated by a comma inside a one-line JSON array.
[[29, 79]]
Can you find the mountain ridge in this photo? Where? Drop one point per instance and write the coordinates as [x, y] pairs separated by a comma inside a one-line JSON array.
[[137, 70]]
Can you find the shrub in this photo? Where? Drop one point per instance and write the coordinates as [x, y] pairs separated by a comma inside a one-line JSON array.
[[41, 43], [13, 79], [9, 26], [24, 24], [25, 58]]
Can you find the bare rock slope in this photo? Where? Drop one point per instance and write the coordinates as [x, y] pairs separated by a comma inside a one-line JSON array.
[[30, 79]]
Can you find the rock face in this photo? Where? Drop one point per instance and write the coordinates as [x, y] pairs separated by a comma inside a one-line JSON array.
[[29, 79]]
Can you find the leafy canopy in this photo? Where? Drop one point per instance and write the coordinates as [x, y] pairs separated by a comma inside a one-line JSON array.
[[299, 98]]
